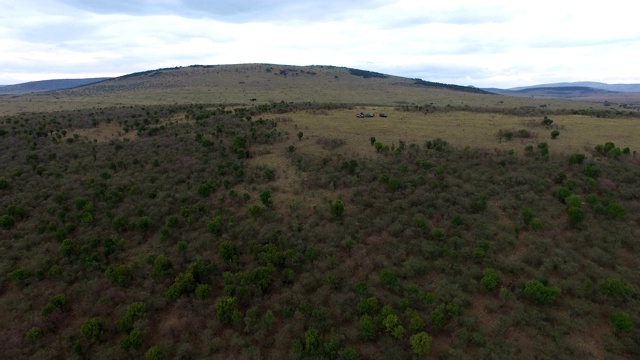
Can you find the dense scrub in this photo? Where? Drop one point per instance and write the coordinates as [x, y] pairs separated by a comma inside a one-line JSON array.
[[172, 245]]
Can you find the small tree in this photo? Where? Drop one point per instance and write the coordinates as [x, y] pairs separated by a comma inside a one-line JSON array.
[[547, 121], [554, 134], [421, 344], [300, 135], [226, 309], [93, 328], [154, 353]]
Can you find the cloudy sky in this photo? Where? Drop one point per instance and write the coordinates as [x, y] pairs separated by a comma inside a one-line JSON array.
[[489, 43]]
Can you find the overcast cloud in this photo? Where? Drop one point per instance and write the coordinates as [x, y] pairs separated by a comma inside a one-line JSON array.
[[495, 43]]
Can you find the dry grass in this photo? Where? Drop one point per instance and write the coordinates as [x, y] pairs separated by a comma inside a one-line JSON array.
[[477, 130]]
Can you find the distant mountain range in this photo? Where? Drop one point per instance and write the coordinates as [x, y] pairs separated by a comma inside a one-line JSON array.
[[588, 84], [46, 85]]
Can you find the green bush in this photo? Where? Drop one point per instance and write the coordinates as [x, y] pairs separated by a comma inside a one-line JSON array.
[[135, 312], [204, 291], [154, 353], [621, 321], [368, 328], [93, 328], [421, 344], [490, 280], [554, 134], [226, 309], [119, 274], [540, 293], [34, 334], [616, 289]]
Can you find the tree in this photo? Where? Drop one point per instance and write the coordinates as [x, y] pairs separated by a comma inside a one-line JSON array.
[[93, 328], [228, 251], [226, 309], [421, 344], [300, 135], [554, 134], [368, 328], [547, 121]]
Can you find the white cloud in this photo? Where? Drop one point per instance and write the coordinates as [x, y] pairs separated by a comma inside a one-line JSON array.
[[489, 43]]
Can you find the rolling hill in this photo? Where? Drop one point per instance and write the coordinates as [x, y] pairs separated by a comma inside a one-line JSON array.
[[265, 83], [46, 85]]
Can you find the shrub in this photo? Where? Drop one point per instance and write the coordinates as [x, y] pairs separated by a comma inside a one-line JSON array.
[[265, 199], [420, 344], [135, 312], [34, 334], [204, 291], [591, 170], [554, 134], [59, 302], [161, 266], [337, 209], [576, 215], [93, 328], [368, 328], [546, 121], [228, 251], [119, 274], [621, 321], [226, 309], [154, 353], [615, 211], [616, 289], [490, 280], [7, 222], [540, 293], [576, 158], [368, 306]]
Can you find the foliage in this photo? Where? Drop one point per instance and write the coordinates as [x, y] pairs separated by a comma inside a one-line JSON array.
[[93, 328], [621, 321], [541, 293], [420, 344]]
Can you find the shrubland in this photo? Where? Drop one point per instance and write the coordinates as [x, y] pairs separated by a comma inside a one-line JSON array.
[[193, 231]]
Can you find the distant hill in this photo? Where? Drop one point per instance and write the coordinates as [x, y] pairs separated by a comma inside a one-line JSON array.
[[590, 84], [46, 85]]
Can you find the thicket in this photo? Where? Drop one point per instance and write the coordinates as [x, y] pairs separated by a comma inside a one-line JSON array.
[[177, 244]]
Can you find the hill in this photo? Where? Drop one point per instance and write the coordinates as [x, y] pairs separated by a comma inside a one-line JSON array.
[[47, 85], [590, 84], [264, 83]]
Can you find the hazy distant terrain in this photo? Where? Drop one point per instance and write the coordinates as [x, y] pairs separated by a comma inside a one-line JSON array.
[[46, 85], [590, 84]]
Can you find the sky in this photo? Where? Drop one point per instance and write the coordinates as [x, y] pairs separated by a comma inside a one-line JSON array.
[[489, 43]]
